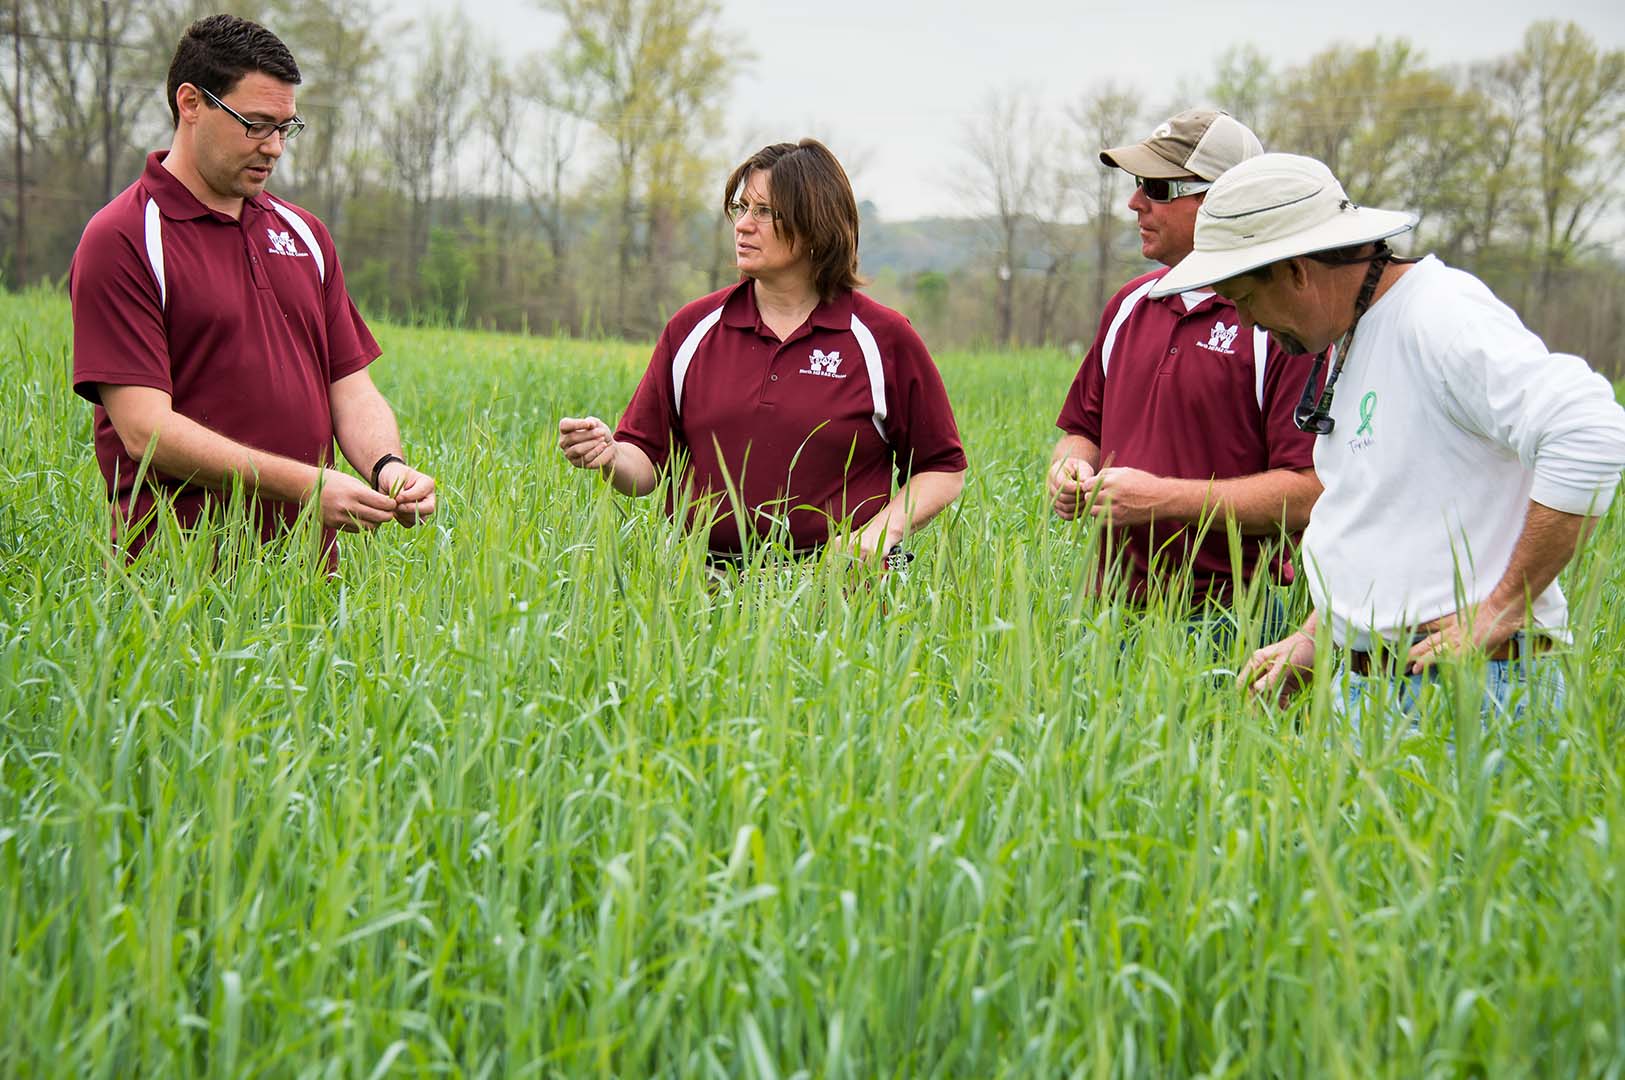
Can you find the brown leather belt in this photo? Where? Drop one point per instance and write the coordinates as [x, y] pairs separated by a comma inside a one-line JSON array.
[[1395, 658]]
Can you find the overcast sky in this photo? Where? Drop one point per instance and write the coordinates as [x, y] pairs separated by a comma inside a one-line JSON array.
[[890, 84]]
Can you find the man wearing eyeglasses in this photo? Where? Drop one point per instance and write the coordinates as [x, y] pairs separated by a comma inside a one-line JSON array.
[[1178, 419], [212, 328], [1463, 460]]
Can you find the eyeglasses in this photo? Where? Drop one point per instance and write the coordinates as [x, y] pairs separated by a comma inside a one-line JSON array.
[[760, 213], [1159, 190], [259, 130]]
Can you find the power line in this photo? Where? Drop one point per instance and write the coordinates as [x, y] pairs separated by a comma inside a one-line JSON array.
[[73, 39]]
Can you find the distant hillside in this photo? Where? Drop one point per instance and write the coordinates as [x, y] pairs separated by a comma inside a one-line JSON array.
[[941, 244], [947, 245]]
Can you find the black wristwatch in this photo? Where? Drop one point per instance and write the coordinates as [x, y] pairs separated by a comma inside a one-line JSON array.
[[378, 467]]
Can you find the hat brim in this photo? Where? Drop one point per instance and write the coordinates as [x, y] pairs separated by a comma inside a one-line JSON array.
[[1136, 160], [1202, 268]]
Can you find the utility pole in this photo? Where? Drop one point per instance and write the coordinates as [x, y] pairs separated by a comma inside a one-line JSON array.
[[108, 163], [19, 267]]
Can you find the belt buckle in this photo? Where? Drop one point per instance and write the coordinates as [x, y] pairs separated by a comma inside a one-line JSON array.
[[1394, 657], [1522, 645], [1364, 662]]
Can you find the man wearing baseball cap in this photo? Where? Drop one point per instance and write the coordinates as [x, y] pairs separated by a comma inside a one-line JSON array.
[[1462, 460], [1179, 419]]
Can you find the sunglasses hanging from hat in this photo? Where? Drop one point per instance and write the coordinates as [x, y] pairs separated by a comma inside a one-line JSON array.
[[1315, 417]]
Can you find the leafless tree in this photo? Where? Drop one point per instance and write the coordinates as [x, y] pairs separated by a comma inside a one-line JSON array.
[[426, 127], [1103, 117], [1008, 157], [18, 102], [340, 48], [533, 119]]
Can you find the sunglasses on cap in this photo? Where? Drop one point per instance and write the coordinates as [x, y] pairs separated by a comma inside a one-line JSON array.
[[1158, 190]]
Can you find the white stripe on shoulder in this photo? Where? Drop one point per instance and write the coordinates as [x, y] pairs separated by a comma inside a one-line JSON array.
[[1261, 356], [155, 249], [877, 374], [685, 356], [307, 234], [1123, 312]]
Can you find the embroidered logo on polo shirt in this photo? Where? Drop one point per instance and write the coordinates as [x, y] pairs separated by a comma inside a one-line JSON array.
[[825, 364], [282, 244], [1221, 339]]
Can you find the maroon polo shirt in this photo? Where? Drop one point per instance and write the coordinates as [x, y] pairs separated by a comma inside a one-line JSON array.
[[245, 324], [809, 431], [1179, 392]]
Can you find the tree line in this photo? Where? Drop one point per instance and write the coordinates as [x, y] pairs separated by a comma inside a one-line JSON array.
[[1512, 164], [568, 189], [572, 188]]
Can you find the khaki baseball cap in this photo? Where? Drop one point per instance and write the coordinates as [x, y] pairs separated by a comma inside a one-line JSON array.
[[1197, 142]]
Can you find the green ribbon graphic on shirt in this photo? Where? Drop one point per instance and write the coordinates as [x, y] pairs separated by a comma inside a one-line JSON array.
[[1368, 405]]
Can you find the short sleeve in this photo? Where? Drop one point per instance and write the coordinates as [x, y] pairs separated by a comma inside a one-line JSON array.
[[119, 334], [1080, 412], [350, 344], [1284, 377], [650, 419], [919, 419]]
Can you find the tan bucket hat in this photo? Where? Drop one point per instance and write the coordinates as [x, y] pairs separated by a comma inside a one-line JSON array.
[[1273, 207], [1196, 142]]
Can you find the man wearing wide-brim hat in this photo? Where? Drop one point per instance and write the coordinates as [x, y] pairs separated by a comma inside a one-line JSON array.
[[1462, 461]]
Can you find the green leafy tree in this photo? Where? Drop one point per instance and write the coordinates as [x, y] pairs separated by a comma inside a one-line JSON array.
[[1246, 86], [445, 272], [1574, 136], [1392, 129], [657, 71]]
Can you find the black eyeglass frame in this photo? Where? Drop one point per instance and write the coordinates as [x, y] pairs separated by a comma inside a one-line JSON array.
[[288, 129]]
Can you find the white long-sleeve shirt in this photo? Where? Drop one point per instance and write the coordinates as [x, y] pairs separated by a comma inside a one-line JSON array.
[[1451, 416]]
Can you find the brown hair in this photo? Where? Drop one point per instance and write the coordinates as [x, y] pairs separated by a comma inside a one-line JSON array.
[[218, 50], [1343, 256], [813, 203]]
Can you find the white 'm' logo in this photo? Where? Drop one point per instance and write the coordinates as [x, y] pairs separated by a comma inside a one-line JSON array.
[[825, 364], [282, 244], [1221, 338]]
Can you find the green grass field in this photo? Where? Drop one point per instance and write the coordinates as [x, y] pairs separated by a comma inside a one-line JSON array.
[[518, 795]]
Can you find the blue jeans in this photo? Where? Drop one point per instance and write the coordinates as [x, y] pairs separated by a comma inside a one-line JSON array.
[[1218, 627], [1529, 687]]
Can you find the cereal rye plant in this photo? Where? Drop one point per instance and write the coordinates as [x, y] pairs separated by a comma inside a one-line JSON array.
[[519, 794]]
